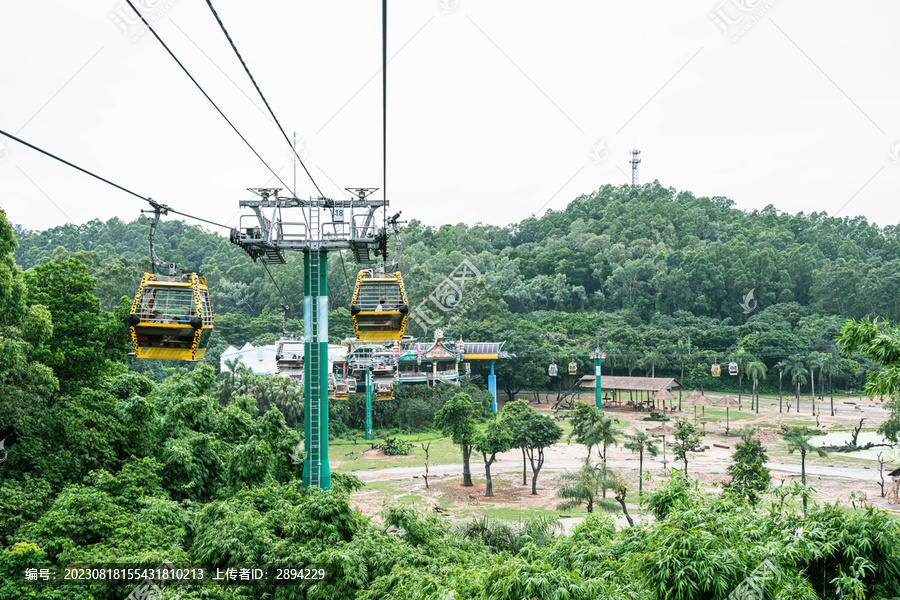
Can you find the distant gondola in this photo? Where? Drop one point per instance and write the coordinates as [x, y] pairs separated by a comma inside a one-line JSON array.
[[379, 308]]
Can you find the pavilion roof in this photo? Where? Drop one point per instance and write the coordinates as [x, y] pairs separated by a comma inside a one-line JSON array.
[[643, 384]]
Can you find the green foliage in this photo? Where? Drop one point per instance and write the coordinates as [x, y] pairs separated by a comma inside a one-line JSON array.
[[419, 529], [687, 439], [346, 483], [84, 337], [194, 465], [232, 532], [22, 500], [324, 518], [457, 419], [519, 578], [249, 464], [13, 586], [879, 342], [533, 432], [393, 447], [501, 536], [749, 475], [584, 487], [495, 438], [12, 283], [669, 497]]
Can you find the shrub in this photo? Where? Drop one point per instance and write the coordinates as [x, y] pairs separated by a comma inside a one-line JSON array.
[[393, 447]]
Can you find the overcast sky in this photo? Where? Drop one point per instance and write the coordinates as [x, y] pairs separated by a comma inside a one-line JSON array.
[[496, 110]]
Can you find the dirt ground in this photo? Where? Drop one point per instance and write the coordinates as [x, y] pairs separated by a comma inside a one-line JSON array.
[[834, 477]]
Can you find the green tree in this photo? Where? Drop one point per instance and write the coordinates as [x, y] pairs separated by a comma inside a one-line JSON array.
[[510, 411], [85, 338], [605, 433], [880, 342], [584, 487], [534, 432], [816, 360], [12, 282], [496, 438], [457, 419], [831, 365], [749, 475], [584, 420], [780, 365], [756, 370], [797, 372], [687, 439], [798, 440], [640, 442]]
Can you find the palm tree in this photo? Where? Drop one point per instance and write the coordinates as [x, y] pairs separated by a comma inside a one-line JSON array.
[[614, 356], [584, 421], [640, 442], [584, 486], [681, 350], [797, 373], [832, 364], [652, 359], [630, 359], [797, 439], [780, 366], [756, 370], [605, 432], [816, 360]]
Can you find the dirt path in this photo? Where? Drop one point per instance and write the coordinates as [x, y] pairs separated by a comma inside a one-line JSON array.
[[833, 481]]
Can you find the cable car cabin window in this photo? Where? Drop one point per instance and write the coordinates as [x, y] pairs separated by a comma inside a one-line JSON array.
[[168, 305], [379, 296]]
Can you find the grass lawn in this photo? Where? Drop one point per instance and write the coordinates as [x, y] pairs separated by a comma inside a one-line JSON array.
[[350, 455]]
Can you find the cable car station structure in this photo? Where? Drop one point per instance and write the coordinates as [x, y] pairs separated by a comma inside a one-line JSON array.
[[318, 226]]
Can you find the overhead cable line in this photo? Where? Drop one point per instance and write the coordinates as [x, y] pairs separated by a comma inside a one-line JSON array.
[[107, 181], [259, 91], [276, 286], [199, 87]]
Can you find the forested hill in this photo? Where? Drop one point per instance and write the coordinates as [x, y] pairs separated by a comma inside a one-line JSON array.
[[635, 269], [664, 251], [655, 250]]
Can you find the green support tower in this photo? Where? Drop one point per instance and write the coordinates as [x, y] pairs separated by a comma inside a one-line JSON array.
[[598, 357], [325, 225], [316, 470]]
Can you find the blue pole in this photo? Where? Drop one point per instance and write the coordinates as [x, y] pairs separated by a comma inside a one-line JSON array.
[[492, 386]]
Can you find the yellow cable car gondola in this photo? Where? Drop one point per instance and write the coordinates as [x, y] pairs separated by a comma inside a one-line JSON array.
[[384, 390], [379, 308], [716, 370], [171, 317], [573, 368], [341, 390]]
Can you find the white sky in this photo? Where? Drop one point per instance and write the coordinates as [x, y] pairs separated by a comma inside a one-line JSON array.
[[494, 107]]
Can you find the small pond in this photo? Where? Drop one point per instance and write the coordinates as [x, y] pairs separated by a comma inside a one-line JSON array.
[[890, 455]]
